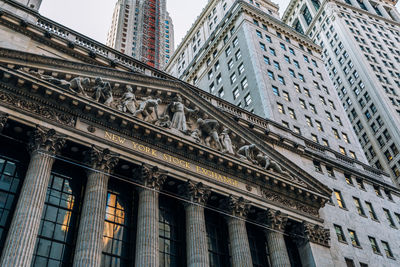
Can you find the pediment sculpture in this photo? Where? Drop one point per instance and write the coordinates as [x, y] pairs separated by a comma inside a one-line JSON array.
[[173, 112]]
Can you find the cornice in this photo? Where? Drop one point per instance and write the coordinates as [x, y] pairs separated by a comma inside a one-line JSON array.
[[259, 126], [147, 132]]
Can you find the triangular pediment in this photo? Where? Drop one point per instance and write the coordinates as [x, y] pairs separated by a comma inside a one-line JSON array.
[[183, 112]]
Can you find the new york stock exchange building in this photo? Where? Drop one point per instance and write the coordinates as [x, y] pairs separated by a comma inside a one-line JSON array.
[[107, 162]]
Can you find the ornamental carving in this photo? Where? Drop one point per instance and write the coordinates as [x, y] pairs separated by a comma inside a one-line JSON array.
[[237, 206], [101, 159], [274, 219], [46, 140], [3, 120], [317, 234], [169, 111], [195, 192], [293, 204], [37, 108], [152, 177]]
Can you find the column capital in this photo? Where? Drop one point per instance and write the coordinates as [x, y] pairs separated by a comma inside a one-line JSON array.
[[316, 233], [237, 206], [273, 218], [152, 176], [101, 159], [3, 120], [195, 192], [46, 140]]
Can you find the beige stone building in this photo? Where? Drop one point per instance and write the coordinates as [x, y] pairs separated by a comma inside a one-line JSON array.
[[104, 166]]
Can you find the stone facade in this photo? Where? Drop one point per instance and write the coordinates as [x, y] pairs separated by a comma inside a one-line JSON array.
[[149, 155], [368, 84]]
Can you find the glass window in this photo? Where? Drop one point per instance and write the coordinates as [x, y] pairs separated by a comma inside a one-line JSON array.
[[171, 244], [241, 69], [10, 182], [116, 234], [387, 249], [54, 245], [217, 239], [374, 245], [389, 217], [354, 238], [258, 246], [275, 90], [339, 233], [339, 199], [359, 206], [371, 211]]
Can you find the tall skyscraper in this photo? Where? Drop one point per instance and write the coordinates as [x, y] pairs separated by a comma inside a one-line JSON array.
[[360, 42], [144, 30], [242, 52], [267, 68]]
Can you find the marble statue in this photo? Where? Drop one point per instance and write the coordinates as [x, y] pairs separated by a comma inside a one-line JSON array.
[[178, 109], [208, 128], [76, 85], [269, 164], [146, 108], [226, 142], [247, 152], [128, 101], [103, 91]]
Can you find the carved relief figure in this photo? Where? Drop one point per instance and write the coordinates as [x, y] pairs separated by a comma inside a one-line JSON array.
[[76, 85], [163, 121], [196, 136], [128, 101], [147, 107], [178, 109], [208, 128], [247, 152], [269, 164], [103, 91], [226, 142]]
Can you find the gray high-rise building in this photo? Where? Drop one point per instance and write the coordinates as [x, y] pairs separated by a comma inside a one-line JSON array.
[[360, 42], [144, 30], [255, 61], [242, 52]]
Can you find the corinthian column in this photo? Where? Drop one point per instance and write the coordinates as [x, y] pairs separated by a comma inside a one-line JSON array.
[[147, 237], [276, 242], [3, 120], [89, 245], [21, 239], [196, 234], [240, 248]]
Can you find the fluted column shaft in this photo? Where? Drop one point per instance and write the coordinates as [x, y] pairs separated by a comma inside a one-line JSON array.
[[238, 207], [89, 244], [147, 237], [147, 243], [20, 243], [277, 249], [240, 248], [196, 237], [21, 239]]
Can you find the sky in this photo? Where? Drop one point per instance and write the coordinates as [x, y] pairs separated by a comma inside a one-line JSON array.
[[93, 17]]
